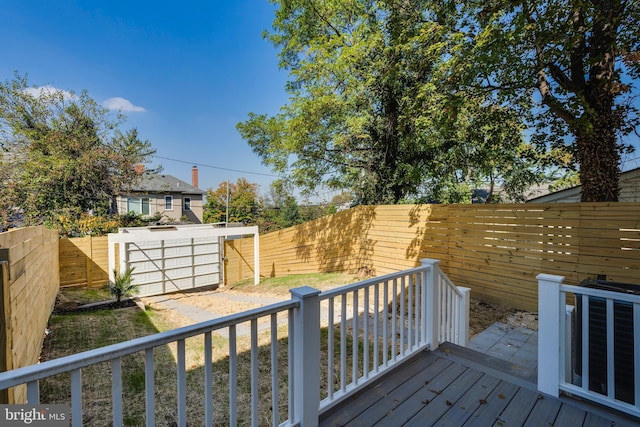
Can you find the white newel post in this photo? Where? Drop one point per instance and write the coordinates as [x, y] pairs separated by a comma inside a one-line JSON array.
[[432, 303], [306, 356], [550, 309], [463, 313]]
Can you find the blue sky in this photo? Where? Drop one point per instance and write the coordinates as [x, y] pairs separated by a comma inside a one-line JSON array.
[[184, 72]]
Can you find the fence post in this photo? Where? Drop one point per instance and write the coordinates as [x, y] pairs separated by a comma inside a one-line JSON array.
[[550, 308], [306, 356], [6, 396], [432, 303]]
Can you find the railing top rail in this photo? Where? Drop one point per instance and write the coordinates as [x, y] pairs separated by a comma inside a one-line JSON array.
[[84, 359], [369, 282], [450, 284], [618, 296]]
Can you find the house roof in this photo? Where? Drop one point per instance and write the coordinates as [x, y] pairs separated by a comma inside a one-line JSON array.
[[162, 183], [629, 183]]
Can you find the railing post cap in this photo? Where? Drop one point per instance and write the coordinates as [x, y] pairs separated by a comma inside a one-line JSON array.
[[429, 261], [304, 292], [550, 278]]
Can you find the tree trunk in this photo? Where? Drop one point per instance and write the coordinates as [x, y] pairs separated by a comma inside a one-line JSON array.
[[598, 151], [598, 169]]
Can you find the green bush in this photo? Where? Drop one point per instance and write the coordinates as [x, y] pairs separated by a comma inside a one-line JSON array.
[[122, 285]]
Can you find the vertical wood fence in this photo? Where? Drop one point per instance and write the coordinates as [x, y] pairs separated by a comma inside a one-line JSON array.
[[29, 282], [496, 250]]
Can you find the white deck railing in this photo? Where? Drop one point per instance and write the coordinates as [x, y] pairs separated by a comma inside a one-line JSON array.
[[393, 317], [558, 359], [363, 329]]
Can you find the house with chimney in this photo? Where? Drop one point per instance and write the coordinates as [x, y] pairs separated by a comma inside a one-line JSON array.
[[157, 193]]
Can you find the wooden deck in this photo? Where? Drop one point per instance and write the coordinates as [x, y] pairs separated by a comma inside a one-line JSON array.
[[455, 386]]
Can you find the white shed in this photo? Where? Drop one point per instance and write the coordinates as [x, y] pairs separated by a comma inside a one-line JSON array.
[[175, 258]]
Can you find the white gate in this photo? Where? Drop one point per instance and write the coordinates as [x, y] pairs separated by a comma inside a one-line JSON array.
[[174, 258]]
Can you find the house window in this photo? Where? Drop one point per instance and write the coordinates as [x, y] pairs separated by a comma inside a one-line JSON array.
[[187, 204], [168, 203], [138, 205]]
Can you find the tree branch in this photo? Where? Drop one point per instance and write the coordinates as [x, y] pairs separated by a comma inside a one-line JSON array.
[[324, 19]]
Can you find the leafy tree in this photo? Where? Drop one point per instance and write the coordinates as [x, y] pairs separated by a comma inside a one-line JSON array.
[[280, 208], [567, 66], [242, 199], [63, 153], [365, 113]]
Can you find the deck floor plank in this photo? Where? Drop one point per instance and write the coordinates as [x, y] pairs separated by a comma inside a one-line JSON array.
[[447, 389], [399, 394], [409, 406], [570, 416], [544, 412], [446, 400], [518, 409], [475, 397], [499, 398], [370, 396]]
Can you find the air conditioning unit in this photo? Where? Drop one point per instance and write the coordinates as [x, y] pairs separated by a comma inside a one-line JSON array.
[[623, 339]]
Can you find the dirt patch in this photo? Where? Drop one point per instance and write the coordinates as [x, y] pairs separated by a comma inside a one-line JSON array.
[[483, 314]]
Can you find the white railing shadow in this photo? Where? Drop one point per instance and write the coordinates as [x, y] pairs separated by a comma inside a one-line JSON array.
[[565, 367]]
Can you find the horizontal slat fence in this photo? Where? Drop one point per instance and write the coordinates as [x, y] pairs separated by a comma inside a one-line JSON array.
[[29, 283], [84, 261], [496, 250]]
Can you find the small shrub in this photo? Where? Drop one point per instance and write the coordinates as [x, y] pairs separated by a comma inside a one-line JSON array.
[[122, 285]]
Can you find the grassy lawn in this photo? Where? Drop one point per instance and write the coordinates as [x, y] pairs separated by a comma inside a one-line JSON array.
[[77, 332], [280, 286]]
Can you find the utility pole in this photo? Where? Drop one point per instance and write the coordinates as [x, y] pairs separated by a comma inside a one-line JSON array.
[[226, 224]]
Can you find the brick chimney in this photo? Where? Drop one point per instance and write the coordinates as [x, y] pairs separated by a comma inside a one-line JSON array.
[[194, 176]]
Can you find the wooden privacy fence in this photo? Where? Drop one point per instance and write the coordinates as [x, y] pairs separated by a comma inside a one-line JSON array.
[[84, 261], [29, 282], [496, 250]]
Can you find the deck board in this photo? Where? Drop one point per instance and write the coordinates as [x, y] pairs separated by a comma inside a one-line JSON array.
[[571, 417], [470, 402], [444, 401], [401, 393], [544, 412], [519, 408], [451, 387], [494, 405], [353, 411], [408, 402]]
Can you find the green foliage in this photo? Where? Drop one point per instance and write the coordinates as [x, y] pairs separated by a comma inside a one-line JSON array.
[[122, 285], [568, 68], [568, 180], [74, 223], [62, 152], [243, 201], [368, 110]]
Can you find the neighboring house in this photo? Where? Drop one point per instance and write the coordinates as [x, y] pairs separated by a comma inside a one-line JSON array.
[[166, 195], [629, 191]]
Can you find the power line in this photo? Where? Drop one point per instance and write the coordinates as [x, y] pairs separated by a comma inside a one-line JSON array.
[[215, 167]]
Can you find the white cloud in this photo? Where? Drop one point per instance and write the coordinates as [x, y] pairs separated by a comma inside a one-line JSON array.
[[49, 90], [122, 104]]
